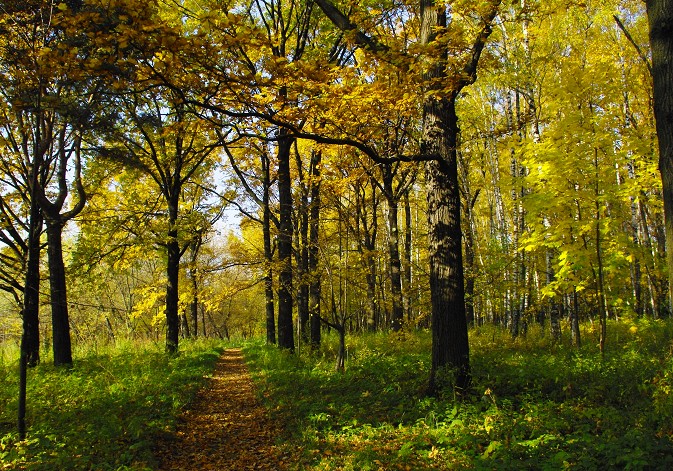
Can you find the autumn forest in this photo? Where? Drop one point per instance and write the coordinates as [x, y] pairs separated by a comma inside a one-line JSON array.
[[446, 197]]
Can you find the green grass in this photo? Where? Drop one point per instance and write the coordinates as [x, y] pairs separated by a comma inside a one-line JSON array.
[[533, 405], [105, 412]]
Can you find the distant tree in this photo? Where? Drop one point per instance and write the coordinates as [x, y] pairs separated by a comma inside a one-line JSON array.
[[160, 138]]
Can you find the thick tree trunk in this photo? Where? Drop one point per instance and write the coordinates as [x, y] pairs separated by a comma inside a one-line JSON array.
[[450, 348], [285, 330], [60, 322], [660, 16], [172, 280]]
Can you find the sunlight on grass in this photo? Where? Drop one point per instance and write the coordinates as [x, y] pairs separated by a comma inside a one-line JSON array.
[[105, 412], [533, 405]]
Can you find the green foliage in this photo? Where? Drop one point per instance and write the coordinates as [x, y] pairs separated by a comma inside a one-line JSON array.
[[105, 412], [534, 405]]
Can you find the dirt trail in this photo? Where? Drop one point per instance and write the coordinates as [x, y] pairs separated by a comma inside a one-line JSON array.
[[226, 428]]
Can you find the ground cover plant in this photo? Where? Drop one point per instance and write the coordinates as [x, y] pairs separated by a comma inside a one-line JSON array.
[[106, 411], [533, 404]]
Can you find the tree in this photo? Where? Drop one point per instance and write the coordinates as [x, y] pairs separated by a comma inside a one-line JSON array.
[[164, 141], [660, 16], [440, 138]]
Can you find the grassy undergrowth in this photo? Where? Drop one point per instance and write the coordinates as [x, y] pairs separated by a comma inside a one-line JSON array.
[[105, 412], [533, 405]]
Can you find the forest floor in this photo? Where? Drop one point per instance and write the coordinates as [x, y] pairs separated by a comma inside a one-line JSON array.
[[226, 428]]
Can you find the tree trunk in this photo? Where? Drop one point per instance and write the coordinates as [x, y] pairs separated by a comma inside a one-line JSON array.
[[575, 321], [172, 279], [268, 255], [302, 270], [285, 330], [185, 325], [59, 300], [450, 347], [397, 317], [341, 354], [406, 267], [660, 17], [554, 308], [30, 340], [313, 252], [194, 305]]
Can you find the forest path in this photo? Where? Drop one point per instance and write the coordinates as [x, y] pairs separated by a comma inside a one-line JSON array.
[[226, 428]]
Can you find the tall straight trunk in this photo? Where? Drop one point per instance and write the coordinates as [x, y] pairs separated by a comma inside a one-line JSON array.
[[172, 279], [370, 278], [600, 277], [660, 18], [406, 266], [285, 330], [397, 317], [30, 339], [268, 255], [450, 348], [194, 305], [600, 281], [302, 270], [554, 305], [314, 291], [60, 322], [575, 320], [471, 270], [469, 200], [185, 325]]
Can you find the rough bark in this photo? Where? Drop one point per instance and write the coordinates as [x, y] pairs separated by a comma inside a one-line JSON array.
[[660, 17], [285, 330], [30, 340], [60, 322], [450, 348], [172, 278]]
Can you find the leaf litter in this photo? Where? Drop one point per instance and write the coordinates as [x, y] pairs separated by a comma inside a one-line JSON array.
[[226, 428]]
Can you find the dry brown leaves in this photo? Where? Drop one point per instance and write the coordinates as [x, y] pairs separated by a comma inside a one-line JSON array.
[[226, 428]]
